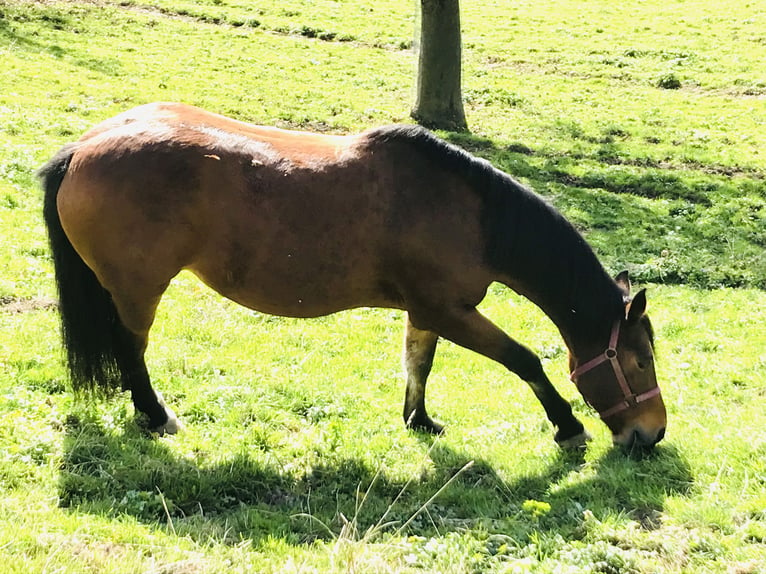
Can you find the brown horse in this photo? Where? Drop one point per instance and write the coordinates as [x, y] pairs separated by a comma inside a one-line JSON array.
[[302, 225]]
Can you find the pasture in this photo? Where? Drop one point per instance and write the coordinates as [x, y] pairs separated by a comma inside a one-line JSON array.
[[643, 121]]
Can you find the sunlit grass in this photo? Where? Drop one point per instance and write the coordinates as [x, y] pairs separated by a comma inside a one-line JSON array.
[[294, 457]]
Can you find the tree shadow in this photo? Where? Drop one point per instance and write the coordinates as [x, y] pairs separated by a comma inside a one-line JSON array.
[[114, 473], [12, 32], [656, 180], [601, 189], [12, 36]]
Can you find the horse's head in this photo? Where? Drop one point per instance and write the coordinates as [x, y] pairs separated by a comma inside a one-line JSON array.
[[620, 382]]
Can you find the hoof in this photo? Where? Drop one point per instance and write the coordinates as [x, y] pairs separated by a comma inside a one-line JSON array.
[[172, 425], [166, 423], [577, 441], [425, 424]]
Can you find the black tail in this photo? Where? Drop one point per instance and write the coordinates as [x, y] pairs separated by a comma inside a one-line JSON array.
[[91, 330]]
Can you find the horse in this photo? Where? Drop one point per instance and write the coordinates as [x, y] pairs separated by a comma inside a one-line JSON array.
[[301, 224]]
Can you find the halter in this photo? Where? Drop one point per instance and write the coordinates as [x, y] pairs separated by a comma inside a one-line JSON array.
[[630, 399]]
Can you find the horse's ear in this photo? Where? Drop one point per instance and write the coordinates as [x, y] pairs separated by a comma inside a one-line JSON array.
[[623, 282], [637, 307]]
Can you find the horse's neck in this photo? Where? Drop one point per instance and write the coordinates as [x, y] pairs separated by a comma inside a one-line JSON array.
[[550, 263]]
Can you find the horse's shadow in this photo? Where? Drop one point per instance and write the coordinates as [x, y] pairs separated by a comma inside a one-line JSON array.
[[114, 473]]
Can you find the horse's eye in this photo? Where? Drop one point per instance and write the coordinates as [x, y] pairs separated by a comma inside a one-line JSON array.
[[643, 363]]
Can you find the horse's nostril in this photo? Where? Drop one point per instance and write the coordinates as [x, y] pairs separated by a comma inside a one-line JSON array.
[[641, 440]]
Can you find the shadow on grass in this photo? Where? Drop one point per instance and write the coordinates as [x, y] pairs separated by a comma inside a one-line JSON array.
[[13, 32], [656, 180], [113, 473], [703, 232]]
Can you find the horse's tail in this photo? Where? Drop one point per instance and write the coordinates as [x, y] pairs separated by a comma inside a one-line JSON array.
[[90, 327]]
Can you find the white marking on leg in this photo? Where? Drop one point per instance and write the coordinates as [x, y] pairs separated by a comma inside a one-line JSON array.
[[172, 425]]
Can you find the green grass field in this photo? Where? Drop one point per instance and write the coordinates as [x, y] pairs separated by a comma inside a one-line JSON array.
[[643, 121]]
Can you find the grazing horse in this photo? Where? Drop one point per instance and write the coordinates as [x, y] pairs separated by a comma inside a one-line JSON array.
[[302, 225]]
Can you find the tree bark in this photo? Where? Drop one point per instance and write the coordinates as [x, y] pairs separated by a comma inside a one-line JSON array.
[[439, 101]]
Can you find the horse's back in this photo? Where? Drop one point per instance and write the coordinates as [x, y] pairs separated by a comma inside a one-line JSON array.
[[169, 118], [286, 222]]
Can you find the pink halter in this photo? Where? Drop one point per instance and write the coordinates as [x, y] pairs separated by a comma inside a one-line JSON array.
[[630, 399]]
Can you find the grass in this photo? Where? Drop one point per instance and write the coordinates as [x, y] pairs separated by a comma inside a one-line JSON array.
[[643, 122], [276, 471]]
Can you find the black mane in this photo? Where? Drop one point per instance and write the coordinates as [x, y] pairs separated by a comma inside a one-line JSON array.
[[529, 240]]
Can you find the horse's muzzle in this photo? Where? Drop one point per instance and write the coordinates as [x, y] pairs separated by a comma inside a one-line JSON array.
[[640, 439]]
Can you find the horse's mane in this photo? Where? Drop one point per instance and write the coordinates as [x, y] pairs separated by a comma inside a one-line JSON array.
[[524, 230], [483, 176]]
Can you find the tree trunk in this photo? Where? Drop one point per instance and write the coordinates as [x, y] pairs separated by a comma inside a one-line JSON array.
[[439, 101]]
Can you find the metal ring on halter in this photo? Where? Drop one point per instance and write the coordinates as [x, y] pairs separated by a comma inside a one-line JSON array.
[[630, 399]]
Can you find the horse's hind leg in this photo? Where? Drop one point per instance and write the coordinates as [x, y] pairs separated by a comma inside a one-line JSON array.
[[470, 329], [419, 349], [135, 378], [136, 312]]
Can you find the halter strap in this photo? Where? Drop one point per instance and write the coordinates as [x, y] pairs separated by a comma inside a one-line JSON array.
[[630, 399]]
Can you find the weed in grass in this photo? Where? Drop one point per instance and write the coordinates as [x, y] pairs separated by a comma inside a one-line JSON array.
[[669, 81]]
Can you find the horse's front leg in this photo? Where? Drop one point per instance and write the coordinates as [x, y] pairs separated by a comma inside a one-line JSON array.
[[570, 433], [419, 350], [470, 329]]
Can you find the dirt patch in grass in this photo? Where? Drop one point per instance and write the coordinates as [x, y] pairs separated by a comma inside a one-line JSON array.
[[11, 304]]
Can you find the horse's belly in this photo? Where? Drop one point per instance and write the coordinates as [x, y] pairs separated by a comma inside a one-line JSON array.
[[296, 288]]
